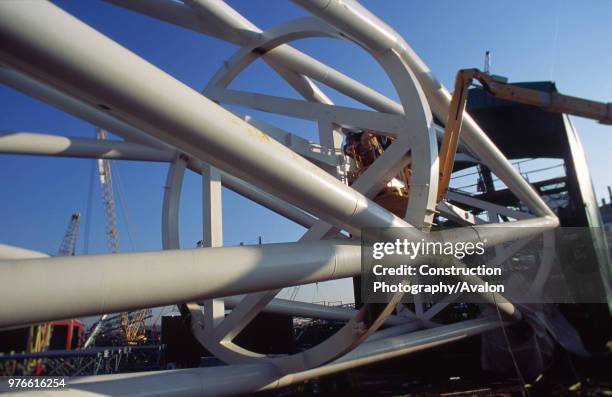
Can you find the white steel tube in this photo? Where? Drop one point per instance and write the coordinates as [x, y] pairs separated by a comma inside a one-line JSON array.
[[156, 103], [123, 282], [98, 71], [359, 23], [220, 18], [392, 347], [153, 279], [375, 34], [29, 143], [240, 379], [95, 116], [310, 310], [260, 197], [9, 252], [222, 21], [178, 13], [284, 56]]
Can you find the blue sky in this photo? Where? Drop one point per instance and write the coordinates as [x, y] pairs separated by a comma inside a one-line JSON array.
[[566, 41]]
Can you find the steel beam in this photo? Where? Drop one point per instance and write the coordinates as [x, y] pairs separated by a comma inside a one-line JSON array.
[[29, 143], [388, 124], [106, 285], [224, 20], [135, 91], [323, 155], [93, 114], [9, 252], [224, 27], [161, 278], [240, 379], [46, 93], [212, 233], [259, 196], [309, 310], [219, 20], [359, 23], [171, 204], [140, 95], [490, 207], [178, 13], [32, 143], [157, 103]]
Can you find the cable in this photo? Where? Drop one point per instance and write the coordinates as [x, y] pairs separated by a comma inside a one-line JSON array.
[[88, 209], [524, 391], [119, 185], [315, 292], [294, 292]]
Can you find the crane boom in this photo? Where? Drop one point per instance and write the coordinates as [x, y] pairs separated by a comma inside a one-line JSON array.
[[68, 246], [40, 334], [133, 329], [108, 199], [112, 233], [548, 101]]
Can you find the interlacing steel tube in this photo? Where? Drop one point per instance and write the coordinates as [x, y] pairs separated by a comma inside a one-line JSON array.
[[52, 55]]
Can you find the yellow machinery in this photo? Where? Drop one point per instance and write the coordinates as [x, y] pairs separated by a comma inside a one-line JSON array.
[[499, 88], [133, 329], [364, 147], [40, 334]]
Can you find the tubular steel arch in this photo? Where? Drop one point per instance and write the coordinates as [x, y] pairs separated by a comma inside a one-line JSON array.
[[416, 135], [85, 73]]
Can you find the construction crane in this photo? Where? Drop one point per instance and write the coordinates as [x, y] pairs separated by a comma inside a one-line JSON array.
[[40, 334], [108, 199], [68, 246], [499, 88], [132, 328]]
